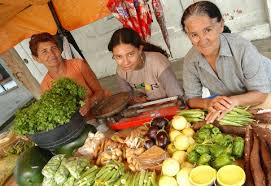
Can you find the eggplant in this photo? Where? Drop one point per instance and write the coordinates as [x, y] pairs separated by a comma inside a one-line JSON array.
[[148, 144], [160, 122], [162, 139], [152, 132]]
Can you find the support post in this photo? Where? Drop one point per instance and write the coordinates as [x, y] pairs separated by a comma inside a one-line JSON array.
[[19, 70]]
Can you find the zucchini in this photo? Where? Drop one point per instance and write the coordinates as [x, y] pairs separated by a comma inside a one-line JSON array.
[[69, 148], [29, 165]]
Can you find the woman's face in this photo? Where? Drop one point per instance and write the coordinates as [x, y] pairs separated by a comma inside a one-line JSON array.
[[127, 56], [204, 33], [48, 54]]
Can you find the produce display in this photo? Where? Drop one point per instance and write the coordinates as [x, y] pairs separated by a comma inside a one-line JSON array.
[[55, 108], [183, 151], [176, 169], [215, 148], [258, 156], [193, 115], [78, 171], [11, 146], [157, 134], [238, 116]]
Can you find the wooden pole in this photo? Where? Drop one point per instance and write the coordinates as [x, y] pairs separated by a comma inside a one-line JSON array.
[[19, 70]]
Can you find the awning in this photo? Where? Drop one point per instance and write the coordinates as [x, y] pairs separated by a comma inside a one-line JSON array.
[[21, 19]]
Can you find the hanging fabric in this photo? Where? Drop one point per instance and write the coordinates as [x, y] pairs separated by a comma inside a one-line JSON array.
[[159, 15], [134, 14]]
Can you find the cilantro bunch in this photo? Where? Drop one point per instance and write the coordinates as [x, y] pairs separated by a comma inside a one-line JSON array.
[[55, 108]]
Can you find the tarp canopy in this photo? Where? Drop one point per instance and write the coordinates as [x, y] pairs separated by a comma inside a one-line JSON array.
[[19, 19]]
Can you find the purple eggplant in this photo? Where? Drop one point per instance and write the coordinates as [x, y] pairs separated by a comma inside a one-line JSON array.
[[152, 132], [160, 122], [162, 139], [148, 144]]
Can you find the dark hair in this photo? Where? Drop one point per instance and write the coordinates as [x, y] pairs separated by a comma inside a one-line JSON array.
[[201, 8], [39, 38], [129, 36], [226, 29]]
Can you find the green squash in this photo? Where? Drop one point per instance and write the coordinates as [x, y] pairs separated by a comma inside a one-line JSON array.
[[29, 165], [69, 148]]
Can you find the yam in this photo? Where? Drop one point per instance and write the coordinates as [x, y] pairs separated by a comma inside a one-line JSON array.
[[263, 133], [255, 164], [266, 160], [239, 131], [248, 146]]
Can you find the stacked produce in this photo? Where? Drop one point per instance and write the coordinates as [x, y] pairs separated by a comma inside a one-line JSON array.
[[175, 170], [258, 156], [157, 134], [238, 116], [171, 148], [193, 115], [203, 152], [78, 171], [55, 108], [215, 148], [11, 146]]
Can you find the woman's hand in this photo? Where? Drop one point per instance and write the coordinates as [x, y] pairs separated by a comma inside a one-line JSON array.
[[85, 108], [218, 107]]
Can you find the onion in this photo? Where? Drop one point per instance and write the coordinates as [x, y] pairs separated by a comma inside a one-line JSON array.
[[183, 176], [179, 122], [167, 181], [170, 167]]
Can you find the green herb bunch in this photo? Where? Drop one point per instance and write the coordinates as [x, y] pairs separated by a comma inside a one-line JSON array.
[[55, 108]]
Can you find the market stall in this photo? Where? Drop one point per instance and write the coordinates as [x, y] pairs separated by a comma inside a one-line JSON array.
[[174, 149]]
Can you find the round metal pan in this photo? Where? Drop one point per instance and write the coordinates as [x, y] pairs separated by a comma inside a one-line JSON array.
[[111, 105]]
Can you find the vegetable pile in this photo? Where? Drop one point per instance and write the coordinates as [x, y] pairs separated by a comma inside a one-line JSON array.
[[215, 148], [79, 172], [258, 156], [55, 108], [193, 115], [238, 116], [157, 133]]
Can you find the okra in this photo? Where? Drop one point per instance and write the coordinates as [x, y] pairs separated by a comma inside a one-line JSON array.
[[191, 111], [107, 175], [92, 169], [149, 179], [226, 122], [88, 178], [141, 179], [241, 111], [104, 170], [129, 180], [114, 177], [193, 115], [153, 179], [194, 119], [124, 178]]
